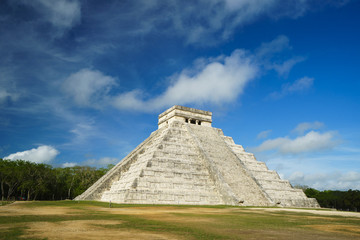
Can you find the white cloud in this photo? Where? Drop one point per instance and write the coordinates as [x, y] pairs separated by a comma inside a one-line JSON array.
[[62, 14], [200, 22], [88, 87], [322, 170], [68, 164], [5, 95], [263, 134], [131, 101], [351, 177], [267, 49], [222, 17], [303, 127], [42, 154], [83, 131], [101, 162], [284, 68], [219, 81], [299, 85], [8, 90], [311, 142], [327, 180]]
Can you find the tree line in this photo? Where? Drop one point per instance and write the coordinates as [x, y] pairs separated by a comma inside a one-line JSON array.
[[341, 200], [24, 180]]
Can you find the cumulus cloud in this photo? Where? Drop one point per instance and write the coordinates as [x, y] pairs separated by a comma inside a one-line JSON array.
[[68, 164], [42, 154], [299, 85], [219, 81], [305, 126], [329, 180], [213, 80], [103, 162], [88, 87], [131, 101], [311, 142]]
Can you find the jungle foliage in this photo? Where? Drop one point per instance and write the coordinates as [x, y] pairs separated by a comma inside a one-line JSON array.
[[341, 200], [24, 180]]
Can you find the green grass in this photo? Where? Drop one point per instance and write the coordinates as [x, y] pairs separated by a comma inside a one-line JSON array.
[[3, 203], [129, 222], [189, 222], [160, 226]]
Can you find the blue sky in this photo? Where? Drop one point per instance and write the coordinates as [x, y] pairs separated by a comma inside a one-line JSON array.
[[82, 82]]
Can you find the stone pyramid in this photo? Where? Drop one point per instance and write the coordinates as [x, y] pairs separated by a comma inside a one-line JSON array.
[[187, 161]]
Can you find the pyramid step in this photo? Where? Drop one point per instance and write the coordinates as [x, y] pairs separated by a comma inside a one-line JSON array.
[[246, 157], [159, 182], [256, 166], [265, 174], [179, 167], [173, 163], [176, 173], [285, 194], [174, 154], [162, 197], [299, 202], [230, 169], [274, 184]]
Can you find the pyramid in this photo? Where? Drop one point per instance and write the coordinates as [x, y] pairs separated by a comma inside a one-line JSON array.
[[187, 161]]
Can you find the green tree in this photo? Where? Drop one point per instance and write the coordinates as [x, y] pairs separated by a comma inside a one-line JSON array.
[[40, 181]]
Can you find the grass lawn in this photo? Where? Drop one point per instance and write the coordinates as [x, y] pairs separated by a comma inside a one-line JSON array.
[[95, 220]]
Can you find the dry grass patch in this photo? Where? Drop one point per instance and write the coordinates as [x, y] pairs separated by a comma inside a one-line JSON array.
[[94, 220], [351, 230], [88, 229], [18, 209]]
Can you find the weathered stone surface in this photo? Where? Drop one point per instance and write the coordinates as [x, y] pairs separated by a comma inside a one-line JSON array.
[[186, 161]]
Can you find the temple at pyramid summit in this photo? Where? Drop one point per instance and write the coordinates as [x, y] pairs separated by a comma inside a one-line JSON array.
[[188, 162]]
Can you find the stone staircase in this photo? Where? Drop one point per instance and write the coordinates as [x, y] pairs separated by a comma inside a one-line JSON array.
[[241, 183], [168, 171], [279, 191]]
